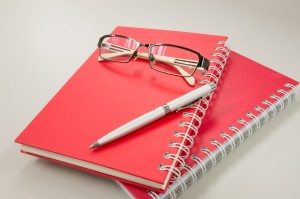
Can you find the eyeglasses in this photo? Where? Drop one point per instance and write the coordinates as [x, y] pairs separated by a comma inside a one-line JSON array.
[[166, 58]]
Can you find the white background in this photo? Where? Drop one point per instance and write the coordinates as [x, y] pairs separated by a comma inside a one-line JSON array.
[[42, 43]]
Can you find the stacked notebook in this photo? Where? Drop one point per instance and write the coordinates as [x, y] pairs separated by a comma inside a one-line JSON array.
[[164, 158], [248, 96]]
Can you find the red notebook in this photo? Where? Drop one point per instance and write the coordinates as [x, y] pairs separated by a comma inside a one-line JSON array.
[[248, 96], [102, 96]]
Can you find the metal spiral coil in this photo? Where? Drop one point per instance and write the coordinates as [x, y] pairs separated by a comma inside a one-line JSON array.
[[212, 75]]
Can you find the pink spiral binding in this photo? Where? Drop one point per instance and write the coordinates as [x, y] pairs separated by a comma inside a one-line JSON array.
[[259, 118]]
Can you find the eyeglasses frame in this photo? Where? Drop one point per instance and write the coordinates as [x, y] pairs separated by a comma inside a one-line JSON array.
[[202, 63]]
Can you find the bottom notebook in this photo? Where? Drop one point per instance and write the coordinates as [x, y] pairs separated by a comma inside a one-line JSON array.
[[248, 96]]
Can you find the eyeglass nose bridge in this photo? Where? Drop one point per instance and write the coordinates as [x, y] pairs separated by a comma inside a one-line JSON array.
[[150, 55], [136, 54], [145, 45]]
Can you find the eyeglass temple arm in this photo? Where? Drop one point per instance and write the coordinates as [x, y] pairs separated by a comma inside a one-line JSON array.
[[168, 60], [190, 79]]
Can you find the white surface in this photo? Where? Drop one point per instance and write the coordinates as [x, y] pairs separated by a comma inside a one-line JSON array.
[[44, 42]]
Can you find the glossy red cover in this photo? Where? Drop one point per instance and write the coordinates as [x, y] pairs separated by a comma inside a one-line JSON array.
[[243, 85], [102, 96]]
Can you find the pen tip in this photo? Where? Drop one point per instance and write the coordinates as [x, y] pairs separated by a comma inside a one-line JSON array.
[[94, 145]]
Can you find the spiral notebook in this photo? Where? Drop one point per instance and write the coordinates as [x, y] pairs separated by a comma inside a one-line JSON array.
[[102, 96], [248, 96]]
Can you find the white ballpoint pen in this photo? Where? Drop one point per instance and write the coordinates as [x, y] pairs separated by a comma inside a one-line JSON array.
[[155, 114]]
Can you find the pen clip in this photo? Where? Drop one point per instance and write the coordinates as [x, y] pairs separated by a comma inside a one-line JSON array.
[[194, 104]]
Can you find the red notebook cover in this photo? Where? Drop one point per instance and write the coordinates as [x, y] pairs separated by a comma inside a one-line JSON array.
[[102, 96], [248, 96]]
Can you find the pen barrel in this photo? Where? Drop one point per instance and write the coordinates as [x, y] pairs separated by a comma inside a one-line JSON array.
[[157, 114], [192, 96], [133, 125]]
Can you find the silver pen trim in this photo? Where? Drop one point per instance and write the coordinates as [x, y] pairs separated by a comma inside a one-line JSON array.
[[166, 108]]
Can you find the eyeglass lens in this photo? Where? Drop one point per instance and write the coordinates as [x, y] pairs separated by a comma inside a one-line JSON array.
[[117, 48], [173, 60]]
